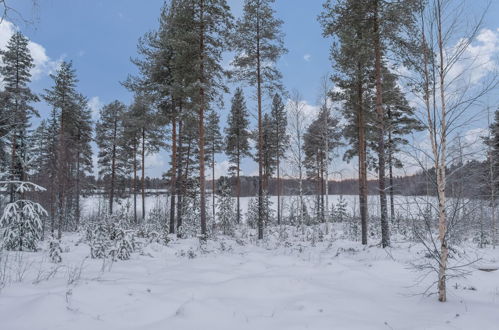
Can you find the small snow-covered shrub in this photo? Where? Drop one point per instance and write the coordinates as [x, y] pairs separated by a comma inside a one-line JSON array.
[[340, 212], [190, 253], [124, 245], [252, 213], [55, 250], [99, 245], [21, 220], [226, 213]]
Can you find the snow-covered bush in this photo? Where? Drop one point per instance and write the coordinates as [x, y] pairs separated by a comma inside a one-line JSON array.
[[252, 213], [268, 212], [21, 220], [124, 244], [55, 250], [226, 212], [191, 215], [340, 212], [112, 238], [100, 242]]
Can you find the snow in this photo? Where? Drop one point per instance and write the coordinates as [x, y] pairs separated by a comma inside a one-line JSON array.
[[242, 284], [92, 205]]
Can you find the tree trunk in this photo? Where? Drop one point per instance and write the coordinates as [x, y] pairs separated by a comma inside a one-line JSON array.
[[260, 133], [179, 181], [238, 187], [278, 184], [143, 174], [392, 193], [492, 187], [201, 125], [13, 166], [385, 234], [77, 207], [213, 182], [134, 187], [323, 214], [441, 176], [173, 181], [113, 167], [390, 167], [362, 159]]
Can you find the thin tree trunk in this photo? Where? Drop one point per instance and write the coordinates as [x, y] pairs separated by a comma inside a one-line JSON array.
[[441, 176], [134, 187], [385, 234], [52, 209], [492, 188], [278, 184], [61, 173], [143, 174], [390, 170], [238, 188], [113, 167], [201, 126], [362, 161], [260, 130], [13, 166], [213, 182], [77, 207], [173, 181], [14, 138], [179, 181]]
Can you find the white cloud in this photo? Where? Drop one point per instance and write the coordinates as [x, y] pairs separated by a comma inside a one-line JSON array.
[[221, 169], [154, 164], [310, 111], [479, 58], [95, 105], [307, 57], [43, 63]]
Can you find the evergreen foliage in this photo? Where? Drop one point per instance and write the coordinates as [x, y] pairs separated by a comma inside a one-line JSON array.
[[21, 220], [226, 215], [16, 109], [55, 250], [109, 131]]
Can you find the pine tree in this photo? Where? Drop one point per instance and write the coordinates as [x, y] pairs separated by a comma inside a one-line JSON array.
[[82, 150], [226, 212], [492, 141], [319, 141], [164, 77], [212, 21], [367, 32], [214, 145], [280, 142], [389, 22], [400, 122], [258, 43], [151, 134], [67, 105], [131, 144], [237, 137], [109, 130], [15, 69], [352, 60], [4, 131]]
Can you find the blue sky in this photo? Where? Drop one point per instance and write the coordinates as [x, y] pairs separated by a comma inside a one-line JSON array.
[[101, 36]]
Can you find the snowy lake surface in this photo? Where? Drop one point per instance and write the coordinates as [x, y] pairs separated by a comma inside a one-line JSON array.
[[404, 205]]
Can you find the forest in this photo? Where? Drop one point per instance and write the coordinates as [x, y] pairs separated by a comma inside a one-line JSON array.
[[408, 221]]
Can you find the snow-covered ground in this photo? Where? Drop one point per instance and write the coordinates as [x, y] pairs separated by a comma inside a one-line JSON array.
[[229, 284]]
